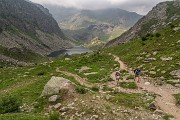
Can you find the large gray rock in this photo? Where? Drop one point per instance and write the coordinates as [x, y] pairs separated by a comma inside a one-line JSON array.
[[55, 84]]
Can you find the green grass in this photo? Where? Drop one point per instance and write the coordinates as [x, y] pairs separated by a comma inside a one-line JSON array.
[[23, 116], [129, 85]]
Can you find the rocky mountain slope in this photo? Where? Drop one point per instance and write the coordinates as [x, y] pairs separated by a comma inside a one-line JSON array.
[[84, 25], [27, 29], [158, 18]]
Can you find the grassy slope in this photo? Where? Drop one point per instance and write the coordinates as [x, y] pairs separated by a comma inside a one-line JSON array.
[[26, 83], [165, 45]]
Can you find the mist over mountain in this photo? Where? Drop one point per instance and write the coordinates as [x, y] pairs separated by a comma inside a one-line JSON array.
[[84, 25]]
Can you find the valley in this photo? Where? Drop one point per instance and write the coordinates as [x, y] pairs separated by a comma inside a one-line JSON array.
[[44, 76]]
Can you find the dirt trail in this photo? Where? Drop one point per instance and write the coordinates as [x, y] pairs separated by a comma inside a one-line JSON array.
[[166, 101], [82, 81]]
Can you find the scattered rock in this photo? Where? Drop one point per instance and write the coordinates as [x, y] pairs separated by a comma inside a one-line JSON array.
[[95, 116], [152, 72], [155, 53], [176, 28], [178, 41], [67, 59], [166, 58], [92, 73], [157, 111], [55, 84], [153, 106], [175, 73], [64, 109], [147, 83], [57, 106], [84, 68], [107, 97], [53, 98]]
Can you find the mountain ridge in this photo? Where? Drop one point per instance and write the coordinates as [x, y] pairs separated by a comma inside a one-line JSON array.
[[28, 27], [157, 19]]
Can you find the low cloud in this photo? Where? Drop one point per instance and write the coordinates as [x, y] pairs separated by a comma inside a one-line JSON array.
[[139, 6]]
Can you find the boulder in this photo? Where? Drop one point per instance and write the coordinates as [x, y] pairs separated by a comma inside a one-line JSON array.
[[153, 106], [54, 85], [53, 98]]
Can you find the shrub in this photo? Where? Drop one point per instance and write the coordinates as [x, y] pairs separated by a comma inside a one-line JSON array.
[[9, 104], [157, 34], [144, 38], [81, 90], [41, 73], [95, 88]]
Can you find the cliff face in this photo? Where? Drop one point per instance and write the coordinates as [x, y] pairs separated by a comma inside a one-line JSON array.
[[29, 26], [158, 18]]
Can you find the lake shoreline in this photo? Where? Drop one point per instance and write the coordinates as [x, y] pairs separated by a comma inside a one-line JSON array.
[[70, 51]]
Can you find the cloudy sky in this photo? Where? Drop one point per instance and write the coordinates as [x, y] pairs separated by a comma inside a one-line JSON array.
[[139, 6]]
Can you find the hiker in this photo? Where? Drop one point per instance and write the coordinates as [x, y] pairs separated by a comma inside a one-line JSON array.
[[137, 75], [117, 75]]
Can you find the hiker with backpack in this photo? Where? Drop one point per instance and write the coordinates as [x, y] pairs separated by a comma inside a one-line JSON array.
[[117, 75], [137, 75]]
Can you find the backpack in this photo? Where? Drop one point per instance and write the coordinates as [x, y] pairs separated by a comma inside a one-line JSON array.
[[117, 73], [137, 71]]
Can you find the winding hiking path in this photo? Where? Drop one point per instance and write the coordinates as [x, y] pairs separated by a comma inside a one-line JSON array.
[[81, 81], [165, 101]]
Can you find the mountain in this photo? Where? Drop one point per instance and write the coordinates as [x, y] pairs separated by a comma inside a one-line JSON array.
[[158, 18], [85, 25], [27, 30]]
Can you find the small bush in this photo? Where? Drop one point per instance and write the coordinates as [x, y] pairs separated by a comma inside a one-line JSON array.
[[148, 35], [157, 34], [95, 88], [9, 104], [41, 73], [81, 90], [144, 38]]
